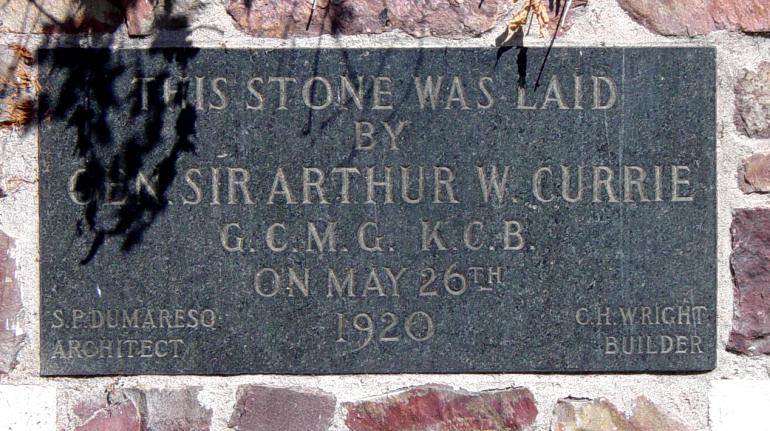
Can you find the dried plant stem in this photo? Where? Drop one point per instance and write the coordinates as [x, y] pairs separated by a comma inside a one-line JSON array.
[[531, 8], [553, 39]]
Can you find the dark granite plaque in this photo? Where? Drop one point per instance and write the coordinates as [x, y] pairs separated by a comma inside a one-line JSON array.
[[377, 211]]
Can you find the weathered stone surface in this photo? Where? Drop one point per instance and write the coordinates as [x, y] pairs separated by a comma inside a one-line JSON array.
[[153, 409], [61, 16], [140, 17], [122, 416], [576, 12], [438, 408], [118, 412], [177, 14], [647, 416], [10, 306], [17, 86], [263, 408], [750, 262], [173, 410], [86, 406], [754, 174], [292, 18], [697, 17], [752, 102], [572, 414], [144, 17]]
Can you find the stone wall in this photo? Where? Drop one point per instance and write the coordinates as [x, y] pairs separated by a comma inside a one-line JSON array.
[[732, 397]]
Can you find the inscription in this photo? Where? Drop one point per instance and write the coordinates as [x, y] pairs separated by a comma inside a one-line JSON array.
[[133, 319], [365, 93], [364, 211], [119, 349], [682, 314], [652, 345], [119, 320], [417, 326], [681, 317], [396, 185]]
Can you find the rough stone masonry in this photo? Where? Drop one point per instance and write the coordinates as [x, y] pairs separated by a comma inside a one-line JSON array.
[[732, 397]]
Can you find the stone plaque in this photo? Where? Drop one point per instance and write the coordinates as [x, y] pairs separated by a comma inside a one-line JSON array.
[[377, 211]]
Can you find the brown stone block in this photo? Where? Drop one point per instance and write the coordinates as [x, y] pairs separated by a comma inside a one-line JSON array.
[[750, 263], [298, 18], [263, 408], [439, 408], [752, 102], [697, 17], [580, 414]]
